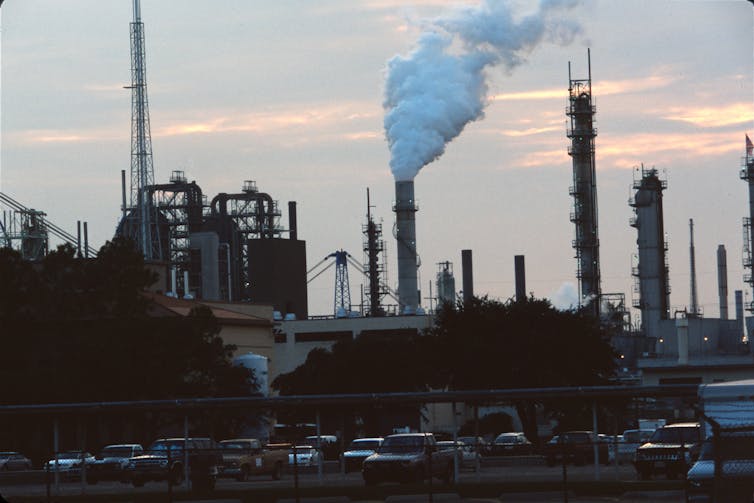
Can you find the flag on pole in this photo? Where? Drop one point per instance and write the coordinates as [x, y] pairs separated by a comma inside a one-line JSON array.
[[749, 147]]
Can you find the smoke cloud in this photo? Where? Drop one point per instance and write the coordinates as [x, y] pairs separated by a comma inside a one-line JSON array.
[[432, 93]]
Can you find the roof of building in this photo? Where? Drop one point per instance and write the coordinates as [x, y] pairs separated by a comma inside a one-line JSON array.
[[171, 306]]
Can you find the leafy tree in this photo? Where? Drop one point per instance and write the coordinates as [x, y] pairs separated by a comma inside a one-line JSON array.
[[487, 344]]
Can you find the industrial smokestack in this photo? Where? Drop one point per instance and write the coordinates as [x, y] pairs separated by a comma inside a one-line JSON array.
[[722, 281], [468, 275], [694, 305], [405, 209], [292, 225], [520, 278], [739, 294]]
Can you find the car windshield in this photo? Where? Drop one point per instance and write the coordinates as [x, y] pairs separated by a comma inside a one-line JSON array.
[[164, 445], [116, 452], [506, 439], [235, 445], [69, 455], [402, 444], [730, 448], [364, 445], [5, 455], [681, 434]]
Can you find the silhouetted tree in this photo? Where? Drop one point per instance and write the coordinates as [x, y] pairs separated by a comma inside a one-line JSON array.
[[487, 344]]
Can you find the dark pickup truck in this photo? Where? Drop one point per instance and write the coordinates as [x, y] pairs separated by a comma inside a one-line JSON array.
[[166, 460], [408, 457]]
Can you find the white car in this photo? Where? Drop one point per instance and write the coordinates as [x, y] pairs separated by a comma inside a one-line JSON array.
[[358, 451], [305, 455], [69, 463]]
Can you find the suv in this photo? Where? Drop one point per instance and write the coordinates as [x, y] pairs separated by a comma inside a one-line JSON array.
[[670, 451], [165, 460], [408, 457], [112, 463], [576, 447]]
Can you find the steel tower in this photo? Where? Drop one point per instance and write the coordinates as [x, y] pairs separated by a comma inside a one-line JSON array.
[[142, 169], [584, 190], [342, 302], [747, 174], [374, 268]]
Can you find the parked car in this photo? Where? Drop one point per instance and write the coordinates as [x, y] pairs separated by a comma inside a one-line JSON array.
[[243, 457], [304, 455], [165, 460], [473, 449], [575, 447], [512, 443], [327, 444], [408, 457], [670, 451], [10, 460], [358, 451], [112, 463], [69, 463], [626, 445]]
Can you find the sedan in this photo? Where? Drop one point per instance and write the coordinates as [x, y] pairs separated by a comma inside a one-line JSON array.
[[69, 463], [305, 455], [14, 461]]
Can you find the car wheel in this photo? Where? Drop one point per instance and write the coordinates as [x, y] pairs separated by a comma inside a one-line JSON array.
[[277, 471], [244, 475], [176, 475], [449, 474], [644, 474]]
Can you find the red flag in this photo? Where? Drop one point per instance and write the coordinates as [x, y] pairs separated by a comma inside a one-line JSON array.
[[749, 147]]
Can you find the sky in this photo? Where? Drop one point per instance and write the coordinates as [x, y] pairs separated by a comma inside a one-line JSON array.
[[290, 94]]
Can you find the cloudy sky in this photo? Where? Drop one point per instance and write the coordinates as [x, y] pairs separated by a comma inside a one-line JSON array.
[[290, 94]]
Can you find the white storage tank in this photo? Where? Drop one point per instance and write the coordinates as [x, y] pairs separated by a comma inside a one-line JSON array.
[[260, 365]]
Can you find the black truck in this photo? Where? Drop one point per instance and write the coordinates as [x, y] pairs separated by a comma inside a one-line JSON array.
[[166, 460], [408, 457]]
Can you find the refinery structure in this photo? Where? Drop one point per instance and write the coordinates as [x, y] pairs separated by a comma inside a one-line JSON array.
[[235, 247]]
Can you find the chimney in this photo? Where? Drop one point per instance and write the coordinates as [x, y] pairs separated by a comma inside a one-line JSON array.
[[739, 294], [520, 277], [694, 304], [292, 225], [682, 331], [405, 222], [468, 275], [722, 281]]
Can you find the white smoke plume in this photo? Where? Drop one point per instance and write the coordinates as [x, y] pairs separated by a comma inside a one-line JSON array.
[[431, 94]]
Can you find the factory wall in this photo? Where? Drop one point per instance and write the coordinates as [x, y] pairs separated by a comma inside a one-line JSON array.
[[294, 339], [277, 271], [723, 337]]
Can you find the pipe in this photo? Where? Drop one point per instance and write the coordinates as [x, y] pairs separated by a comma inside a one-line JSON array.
[[186, 289], [722, 281], [468, 275], [123, 192], [682, 331], [86, 240], [694, 304], [520, 271], [292, 224]]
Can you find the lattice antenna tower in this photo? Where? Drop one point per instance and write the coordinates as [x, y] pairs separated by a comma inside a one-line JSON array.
[[142, 167]]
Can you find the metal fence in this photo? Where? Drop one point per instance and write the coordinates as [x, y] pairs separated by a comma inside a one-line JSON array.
[[564, 466]]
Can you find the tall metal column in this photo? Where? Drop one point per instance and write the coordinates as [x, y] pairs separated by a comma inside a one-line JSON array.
[[747, 174], [584, 189], [408, 260]]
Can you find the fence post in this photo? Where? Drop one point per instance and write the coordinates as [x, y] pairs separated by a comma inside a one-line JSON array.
[[563, 456], [320, 449], [595, 443], [456, 468], [56, 448], [477, 448], [186, 469]]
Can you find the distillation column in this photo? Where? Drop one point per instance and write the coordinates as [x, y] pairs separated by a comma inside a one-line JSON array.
[[584, 189], [652, 270], [747, 174]]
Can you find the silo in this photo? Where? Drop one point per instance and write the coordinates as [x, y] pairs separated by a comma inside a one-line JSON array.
[[259, 365]]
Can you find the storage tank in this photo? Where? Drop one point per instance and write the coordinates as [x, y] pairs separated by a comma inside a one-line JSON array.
[[260, 365]]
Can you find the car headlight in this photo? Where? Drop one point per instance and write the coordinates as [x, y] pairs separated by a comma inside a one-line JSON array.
[[131, 465], [164, 463]]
